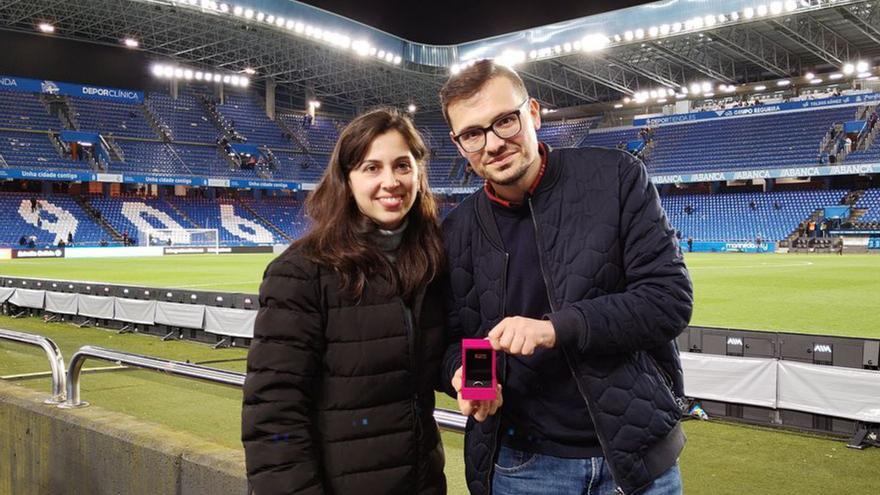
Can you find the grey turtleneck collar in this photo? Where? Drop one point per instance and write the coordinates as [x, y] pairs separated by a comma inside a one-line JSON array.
[[389, 240]]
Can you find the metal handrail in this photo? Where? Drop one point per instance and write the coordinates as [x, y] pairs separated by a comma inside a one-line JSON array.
[[450, 420], [176, 368], [56, 361]]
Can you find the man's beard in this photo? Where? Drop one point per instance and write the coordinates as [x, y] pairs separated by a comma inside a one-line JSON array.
[[518, 174]]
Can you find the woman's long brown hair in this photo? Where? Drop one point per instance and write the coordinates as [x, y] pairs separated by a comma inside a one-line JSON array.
[[339, 236]]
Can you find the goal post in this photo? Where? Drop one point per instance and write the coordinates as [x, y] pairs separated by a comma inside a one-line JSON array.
[[206, 238]]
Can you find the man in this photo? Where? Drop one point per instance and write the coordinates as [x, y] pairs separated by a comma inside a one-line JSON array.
[[566, 263]]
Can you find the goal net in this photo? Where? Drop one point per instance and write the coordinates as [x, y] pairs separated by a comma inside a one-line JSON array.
[[206, 238]]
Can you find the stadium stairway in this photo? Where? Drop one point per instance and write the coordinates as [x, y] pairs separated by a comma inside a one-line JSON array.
[[269, 224], [96, 217]]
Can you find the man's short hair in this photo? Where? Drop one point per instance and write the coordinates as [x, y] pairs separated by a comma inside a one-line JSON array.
[[471, 79]]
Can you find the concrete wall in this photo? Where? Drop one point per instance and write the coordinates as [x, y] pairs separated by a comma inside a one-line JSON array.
[[46, 450]]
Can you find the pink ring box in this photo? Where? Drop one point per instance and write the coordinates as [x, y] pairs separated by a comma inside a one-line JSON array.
[[478, 380]]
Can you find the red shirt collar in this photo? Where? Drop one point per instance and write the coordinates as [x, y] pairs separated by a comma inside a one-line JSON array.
[[490, 191]]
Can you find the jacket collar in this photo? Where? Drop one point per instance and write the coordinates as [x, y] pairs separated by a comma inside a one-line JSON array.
[[549, 178]]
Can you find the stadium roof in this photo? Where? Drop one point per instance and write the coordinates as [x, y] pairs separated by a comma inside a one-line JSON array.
[[312, 53]]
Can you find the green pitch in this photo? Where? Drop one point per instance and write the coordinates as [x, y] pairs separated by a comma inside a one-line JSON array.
[[822, 294]]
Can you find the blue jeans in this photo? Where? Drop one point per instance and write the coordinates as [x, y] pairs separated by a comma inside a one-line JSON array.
[[523, 473]]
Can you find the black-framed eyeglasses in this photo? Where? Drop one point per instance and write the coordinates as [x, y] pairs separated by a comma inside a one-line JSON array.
[[505, 127]]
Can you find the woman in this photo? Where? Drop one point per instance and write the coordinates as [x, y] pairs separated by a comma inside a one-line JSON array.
[[349, 337]]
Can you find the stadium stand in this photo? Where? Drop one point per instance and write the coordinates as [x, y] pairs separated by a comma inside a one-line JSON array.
[[25, 111], [566, 134], [235, 223], [730, 217], [185, 117], [112, 119], [34, 150], [249, 119], [285, 214], [870, 200], [132, 215], [53, 218]]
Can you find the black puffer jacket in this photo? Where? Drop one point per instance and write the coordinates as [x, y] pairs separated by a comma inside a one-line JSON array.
[[620, 294], [339, 394]]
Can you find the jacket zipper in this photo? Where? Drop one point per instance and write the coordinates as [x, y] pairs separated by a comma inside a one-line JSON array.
[[666, 378], [416, 408], [503, 374], [550, 300]]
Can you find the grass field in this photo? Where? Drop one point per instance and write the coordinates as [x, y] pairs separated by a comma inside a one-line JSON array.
[[812, 294], [821, 294]]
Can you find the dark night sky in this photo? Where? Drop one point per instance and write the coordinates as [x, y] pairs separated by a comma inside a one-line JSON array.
[[456, 21]]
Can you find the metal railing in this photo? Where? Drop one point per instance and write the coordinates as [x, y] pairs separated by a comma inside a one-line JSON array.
[[450, 420], [176, 368], [56, 361]]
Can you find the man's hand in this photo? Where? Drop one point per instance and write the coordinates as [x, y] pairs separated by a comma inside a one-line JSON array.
[[480, 409], [521, 336]]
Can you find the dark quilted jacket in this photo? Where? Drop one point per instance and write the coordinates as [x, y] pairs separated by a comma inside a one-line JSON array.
[[620, 294], [339, 394]]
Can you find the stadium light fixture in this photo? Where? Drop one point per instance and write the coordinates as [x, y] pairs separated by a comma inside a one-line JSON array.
[[863, 75], [862, 66], [676, 27], [640, 33], [628, 35], [680, 95], [695, 88], [664, 29], [157, 70], [238, 10], [249, 71], [411, 108], [748, 12], [661, 100], [46, 27], [849, 69], [199, 75], [783, 82], [626, 99], [706, 87], [760, 87], [248, 14], [260, 16], [709, 94], [314, 104], [816, 80], [131, 42], [761, 10], [835, 76], [224, 8], [709, 20], [734, 16], [775, 8], [270, 19], [187, 74], [809, 76], [653, 31], [594, 42], [618, 105], [790, 5]]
